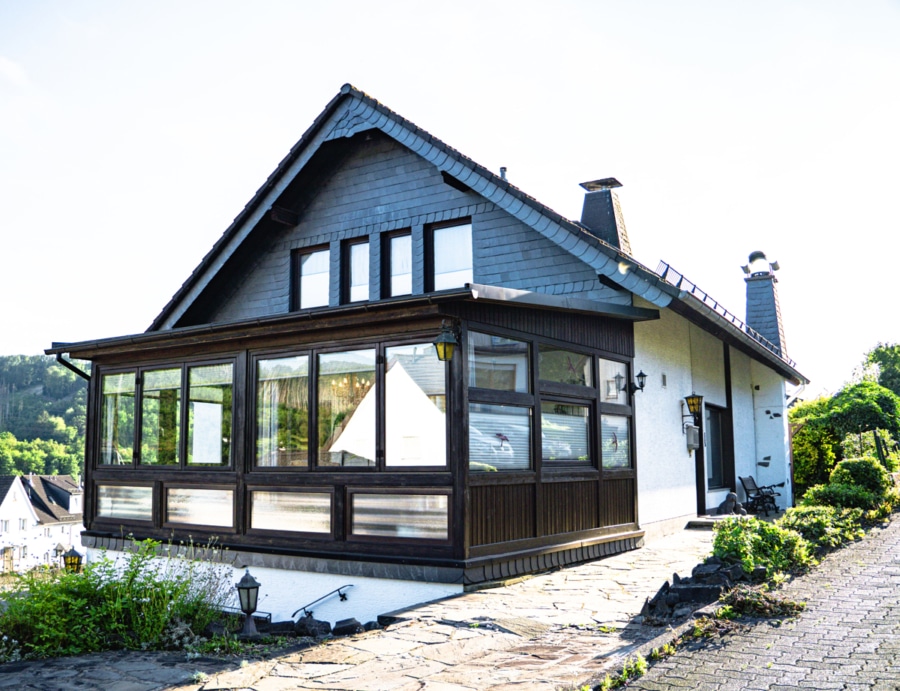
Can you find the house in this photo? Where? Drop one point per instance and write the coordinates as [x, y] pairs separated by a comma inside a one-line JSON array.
[[40, 519], [290, 402]]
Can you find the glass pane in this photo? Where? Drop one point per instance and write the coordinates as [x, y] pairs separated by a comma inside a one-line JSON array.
[[117, 419], [160, 417], [209, 415], [496, 362], [613, 382], [615, 441], [282, 412], [301, 512], [565, 433], [200, 506], [401, 265], [564, 366], [128, 503], [452, 256], [416, 405], [359, 271], [346, 408], [401, 515], [314, 276], [499, 437]]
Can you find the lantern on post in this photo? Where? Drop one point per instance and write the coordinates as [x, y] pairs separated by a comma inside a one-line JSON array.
[[72, 561], [248, 594]]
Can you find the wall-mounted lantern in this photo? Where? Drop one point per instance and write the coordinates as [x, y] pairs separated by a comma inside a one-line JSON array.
[[695, 405], [632, 387], [248, 594], [446, 342], [72, 561]]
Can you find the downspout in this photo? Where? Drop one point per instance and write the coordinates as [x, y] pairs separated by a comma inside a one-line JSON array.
[[69, 366]]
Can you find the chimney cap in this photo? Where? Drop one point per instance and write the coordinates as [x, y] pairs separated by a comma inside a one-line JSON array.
[[604, 184]]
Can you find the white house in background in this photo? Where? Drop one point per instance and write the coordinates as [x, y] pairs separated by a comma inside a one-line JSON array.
[[40, 518], [289, 401]]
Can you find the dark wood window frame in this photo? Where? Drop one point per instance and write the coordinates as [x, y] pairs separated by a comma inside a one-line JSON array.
[[117, 482], [296, 257], [386, 264], [411, 491], [429, 247], [233, 529], [330, 490], [347, 269]]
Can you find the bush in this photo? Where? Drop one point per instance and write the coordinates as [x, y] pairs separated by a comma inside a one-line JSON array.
[[824, 526], [840, 495], [143, 603], [862, 472], [751, 543]]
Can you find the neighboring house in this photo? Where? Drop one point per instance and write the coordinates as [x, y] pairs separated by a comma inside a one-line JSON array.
[[288, 401], [40, 519]]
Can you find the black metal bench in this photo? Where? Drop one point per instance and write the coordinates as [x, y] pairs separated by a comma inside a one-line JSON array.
[[760, 499]]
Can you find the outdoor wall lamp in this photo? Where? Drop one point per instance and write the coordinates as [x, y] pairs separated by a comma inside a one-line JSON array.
[[632, 388], [695, 405], [248, 594], [72, 561], [446, 342]]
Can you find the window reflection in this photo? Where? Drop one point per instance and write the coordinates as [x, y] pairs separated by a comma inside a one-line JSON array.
[[160, 416], [415, 410], [282, 412], [401, 515], [614, 381], [452, 256], [496, 362], [400, 271], [564, 366], [615, 433], [499, 437], [125, 502], [213, 507], [302, 512], [117, 419], [565, 433], [209, 415], [346, 408], [314, 283], [359, 271]]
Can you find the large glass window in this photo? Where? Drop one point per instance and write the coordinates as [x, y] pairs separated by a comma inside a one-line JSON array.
[[615, 432], [133, 503], [213, 507], [161, 417], [415, 407], [314, 279], [613, 382], [496, 362], [357, 272], [452, 258], [301, 512], [346, 408], [117, 419], [282, 412], [209, 415], [423, 516], [499, 437], [399, 267], [564, 366], [565, 433]]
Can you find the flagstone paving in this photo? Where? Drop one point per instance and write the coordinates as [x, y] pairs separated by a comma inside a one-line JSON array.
[[548, 632]]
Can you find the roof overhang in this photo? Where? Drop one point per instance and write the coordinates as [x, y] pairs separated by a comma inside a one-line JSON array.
[[390, 309]]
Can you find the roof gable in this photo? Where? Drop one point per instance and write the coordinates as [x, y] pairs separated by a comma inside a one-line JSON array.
[[352, 112]]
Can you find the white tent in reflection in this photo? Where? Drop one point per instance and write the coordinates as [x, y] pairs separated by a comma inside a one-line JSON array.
[[415, 428]]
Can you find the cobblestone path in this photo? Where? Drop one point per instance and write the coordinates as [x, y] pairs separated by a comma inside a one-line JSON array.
[[847, 638]]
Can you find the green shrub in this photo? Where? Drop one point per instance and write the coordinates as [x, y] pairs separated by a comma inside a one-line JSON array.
[[867, 473], [142, 602], [840, 495], [824, 526], [751, 543]]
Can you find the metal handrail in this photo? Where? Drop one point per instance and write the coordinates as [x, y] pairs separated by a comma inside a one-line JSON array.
[[306, 608]]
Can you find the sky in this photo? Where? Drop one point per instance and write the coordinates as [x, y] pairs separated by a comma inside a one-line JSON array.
[[131, 135]]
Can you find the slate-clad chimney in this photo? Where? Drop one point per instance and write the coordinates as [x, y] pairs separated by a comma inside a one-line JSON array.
[[763, 311], [602, 214]]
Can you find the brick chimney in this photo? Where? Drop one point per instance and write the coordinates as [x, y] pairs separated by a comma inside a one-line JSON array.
[[763, 311], [602, 214]]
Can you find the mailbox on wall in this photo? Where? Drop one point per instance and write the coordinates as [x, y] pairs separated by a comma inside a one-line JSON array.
[[692, 432]]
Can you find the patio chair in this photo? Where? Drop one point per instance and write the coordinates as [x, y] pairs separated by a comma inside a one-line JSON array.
[[760, 499]]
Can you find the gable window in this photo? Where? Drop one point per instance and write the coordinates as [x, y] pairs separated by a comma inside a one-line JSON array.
[[398, 265], [451, 256], [312, 278], [356, 272]]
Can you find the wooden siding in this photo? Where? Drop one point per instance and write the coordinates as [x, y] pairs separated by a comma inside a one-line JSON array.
[[500, 513], [617, 501], [568, 507]]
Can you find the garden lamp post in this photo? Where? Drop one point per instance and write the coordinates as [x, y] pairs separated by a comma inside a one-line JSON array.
[[248, 593], [72, 560]]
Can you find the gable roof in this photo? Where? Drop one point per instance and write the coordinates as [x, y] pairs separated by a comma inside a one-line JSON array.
[[6, 482], [44, 493], [351, 111]]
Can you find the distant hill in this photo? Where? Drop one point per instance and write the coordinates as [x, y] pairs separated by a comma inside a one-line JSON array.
[[42, 416]]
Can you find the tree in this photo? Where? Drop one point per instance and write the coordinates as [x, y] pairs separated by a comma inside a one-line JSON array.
[[864, 407], [815, 443], [885, 358]]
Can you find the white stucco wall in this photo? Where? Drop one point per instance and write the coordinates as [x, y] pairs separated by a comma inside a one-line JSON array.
[[772, 431]]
